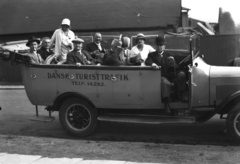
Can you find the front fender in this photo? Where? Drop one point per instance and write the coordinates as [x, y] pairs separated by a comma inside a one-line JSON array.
[[229, 103]]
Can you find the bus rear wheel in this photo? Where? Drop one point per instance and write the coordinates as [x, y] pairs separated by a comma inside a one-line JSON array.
[[78, 117]]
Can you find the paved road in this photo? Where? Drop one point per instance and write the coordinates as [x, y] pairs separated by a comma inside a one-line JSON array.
[[139, 143], [17, 111]]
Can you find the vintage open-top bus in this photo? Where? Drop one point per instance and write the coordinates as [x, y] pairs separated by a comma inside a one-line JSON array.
[[85, 95]]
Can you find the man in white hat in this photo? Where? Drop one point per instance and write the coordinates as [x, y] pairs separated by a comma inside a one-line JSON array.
[[62, 38], [141, 50], [78, 56]]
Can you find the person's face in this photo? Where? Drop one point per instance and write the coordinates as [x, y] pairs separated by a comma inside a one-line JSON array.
[[140, 42], [78, 46], [33, 46], [46, 43], [65, 27], [160, 48], [98, 38]]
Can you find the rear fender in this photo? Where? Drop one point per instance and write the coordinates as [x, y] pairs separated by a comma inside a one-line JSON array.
[[60, 99]]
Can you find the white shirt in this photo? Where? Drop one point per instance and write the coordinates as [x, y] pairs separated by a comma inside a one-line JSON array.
[[62, 41], [99, 46], [144, 52]]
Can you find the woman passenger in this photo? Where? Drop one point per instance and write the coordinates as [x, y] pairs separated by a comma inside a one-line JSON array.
[[140, 51]]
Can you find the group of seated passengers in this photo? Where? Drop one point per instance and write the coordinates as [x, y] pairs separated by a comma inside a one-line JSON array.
[[69, 50], [65, 43], [93, 54]]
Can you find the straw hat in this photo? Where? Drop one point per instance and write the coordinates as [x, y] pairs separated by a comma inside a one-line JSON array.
[[140, 36], [78, 40]]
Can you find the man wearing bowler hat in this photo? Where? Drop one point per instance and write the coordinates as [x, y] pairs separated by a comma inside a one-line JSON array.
[[170, 75], [78, 56], [35, 57]]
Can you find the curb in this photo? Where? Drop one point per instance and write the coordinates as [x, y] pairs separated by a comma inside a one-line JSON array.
[[37, 159], [12, 87]]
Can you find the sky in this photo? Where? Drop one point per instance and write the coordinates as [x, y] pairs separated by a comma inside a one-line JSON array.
[[208, 10]]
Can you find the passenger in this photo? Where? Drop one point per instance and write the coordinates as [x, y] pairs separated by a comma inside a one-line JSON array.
[[140, 51], [163, 59], [78, 56], [95, 48], [114, 56], [45, 50], [126, 52], [35, 57], [62, 38]]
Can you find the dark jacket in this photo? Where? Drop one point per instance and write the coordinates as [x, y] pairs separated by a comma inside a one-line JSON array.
[[113, 58], [74, 57], [91, 47], [168, 70], [44, 53]]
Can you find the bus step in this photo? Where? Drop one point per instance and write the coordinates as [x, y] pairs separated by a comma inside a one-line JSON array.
[[42, 118]]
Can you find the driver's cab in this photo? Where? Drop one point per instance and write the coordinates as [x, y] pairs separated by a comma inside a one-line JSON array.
[[182, 48], [188, 58], [198, 74]]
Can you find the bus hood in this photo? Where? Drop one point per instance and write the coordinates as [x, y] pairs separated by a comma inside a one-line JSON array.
[[224, 72]]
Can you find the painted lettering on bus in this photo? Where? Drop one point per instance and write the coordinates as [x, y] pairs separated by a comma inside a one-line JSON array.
[[89, 83], [102, 77], [58, 75], [78, 76]]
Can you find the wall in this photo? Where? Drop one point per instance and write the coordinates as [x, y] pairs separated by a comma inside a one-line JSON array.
[[220, 49]]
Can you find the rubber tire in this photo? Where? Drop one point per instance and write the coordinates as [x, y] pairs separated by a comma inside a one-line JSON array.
[[231, 124], [63, 113]]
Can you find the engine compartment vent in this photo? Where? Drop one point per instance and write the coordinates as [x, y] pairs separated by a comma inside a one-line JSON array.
[[223, 91]]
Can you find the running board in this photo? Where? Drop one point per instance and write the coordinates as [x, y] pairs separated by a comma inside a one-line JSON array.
[[146, 119], [42, 118]]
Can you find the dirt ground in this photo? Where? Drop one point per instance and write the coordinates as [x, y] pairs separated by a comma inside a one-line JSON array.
[[199, 143]]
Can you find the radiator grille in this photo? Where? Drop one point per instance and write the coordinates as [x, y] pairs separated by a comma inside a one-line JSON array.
[[223, 91]]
